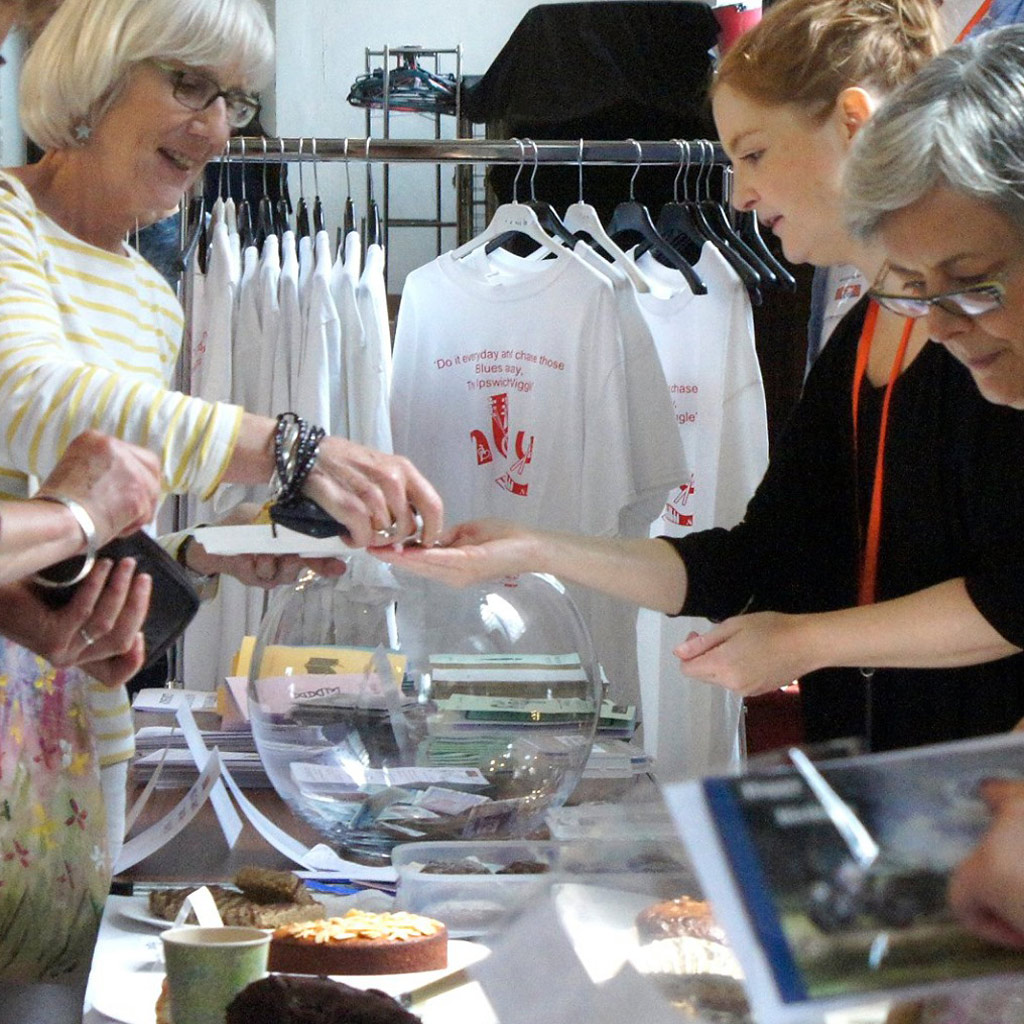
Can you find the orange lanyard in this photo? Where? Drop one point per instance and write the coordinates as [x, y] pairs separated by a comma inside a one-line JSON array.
[[869, 567]]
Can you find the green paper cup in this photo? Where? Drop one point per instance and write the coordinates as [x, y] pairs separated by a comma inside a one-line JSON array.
[[208, 967]]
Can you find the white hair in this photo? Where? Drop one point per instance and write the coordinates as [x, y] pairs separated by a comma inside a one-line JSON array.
[[77, 65], [958, 123]]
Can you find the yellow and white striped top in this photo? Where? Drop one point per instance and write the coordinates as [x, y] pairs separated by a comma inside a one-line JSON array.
[[90, 339]]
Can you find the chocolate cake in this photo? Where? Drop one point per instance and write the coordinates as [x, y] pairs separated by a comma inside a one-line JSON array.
[[282, 999], [361, 943]]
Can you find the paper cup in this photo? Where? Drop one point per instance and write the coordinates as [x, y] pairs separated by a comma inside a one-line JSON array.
[[208, 967]]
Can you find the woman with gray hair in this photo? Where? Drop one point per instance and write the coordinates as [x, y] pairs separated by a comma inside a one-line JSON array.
[[937, 178], [130, 99]]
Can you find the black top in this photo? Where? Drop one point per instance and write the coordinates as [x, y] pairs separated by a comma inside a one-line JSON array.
[[953, 506]]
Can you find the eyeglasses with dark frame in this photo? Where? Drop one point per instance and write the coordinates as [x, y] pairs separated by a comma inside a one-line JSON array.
[[197, 91], [970, 301]]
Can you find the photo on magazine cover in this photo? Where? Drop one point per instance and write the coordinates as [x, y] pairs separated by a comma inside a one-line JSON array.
[[840, 912]]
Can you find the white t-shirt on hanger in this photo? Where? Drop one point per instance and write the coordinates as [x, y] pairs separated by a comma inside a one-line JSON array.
[[319, 355], [344, 278], [510, 392], [706, 344], [369, 412], [658, 464]]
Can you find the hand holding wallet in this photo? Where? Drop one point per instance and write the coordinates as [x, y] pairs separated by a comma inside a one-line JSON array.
[[174, 601]]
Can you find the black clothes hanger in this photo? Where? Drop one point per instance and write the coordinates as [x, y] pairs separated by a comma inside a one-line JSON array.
[[319, 223], [584, 222], [723, 225], [703, 210], [197, 235], [301, 209], [243, 214], [265, 221], [632, 219], [675, 221], [750, 232], [283, 207], [374, 228], [349, 214]]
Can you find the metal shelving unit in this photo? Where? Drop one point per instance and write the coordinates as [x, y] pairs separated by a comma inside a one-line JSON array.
[[392, 58]]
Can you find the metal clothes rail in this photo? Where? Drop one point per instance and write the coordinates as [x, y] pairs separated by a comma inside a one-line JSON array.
[[618, 152]]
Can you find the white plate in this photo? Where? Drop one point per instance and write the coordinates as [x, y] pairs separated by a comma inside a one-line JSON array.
[[136, 909], [129, 997]]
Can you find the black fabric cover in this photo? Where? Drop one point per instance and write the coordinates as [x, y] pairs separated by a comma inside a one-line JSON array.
[[570, 61], [609, 70]]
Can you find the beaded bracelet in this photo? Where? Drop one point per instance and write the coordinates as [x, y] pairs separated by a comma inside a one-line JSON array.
[[296, 447]]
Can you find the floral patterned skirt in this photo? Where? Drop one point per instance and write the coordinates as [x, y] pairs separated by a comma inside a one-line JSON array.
[[54, 874]]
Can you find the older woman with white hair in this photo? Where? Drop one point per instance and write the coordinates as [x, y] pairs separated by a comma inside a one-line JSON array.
[[129, 99], [937, 177]]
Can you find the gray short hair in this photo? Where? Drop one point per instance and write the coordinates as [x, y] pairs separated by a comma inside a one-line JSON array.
[[75, 68], [958, 123]]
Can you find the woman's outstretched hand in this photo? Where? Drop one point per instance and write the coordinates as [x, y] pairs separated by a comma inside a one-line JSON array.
[[472, 552]]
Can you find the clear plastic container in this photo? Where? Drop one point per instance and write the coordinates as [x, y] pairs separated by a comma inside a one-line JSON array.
[[461, 884]]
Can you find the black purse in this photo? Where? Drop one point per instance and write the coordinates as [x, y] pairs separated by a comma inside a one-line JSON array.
[[174, 601]]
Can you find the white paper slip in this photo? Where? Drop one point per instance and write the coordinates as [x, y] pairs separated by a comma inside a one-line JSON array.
[[141, 846], [264, 539], [168, 699], [202, 904]]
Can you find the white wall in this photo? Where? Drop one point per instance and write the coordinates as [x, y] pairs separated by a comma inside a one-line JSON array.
[[322, 49], [12, 139]]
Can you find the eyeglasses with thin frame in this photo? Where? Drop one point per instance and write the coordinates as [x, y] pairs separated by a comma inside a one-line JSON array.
[[975, 300], [197, 91]]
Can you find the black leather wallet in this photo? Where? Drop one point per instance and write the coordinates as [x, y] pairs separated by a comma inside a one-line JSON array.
[[173, 604], [304, 515]]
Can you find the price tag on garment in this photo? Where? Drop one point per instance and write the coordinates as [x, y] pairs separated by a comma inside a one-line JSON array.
[[141, 846], [230, 822]]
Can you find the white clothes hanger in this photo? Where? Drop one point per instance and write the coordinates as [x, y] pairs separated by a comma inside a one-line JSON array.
[[581, 216], [514, 217]]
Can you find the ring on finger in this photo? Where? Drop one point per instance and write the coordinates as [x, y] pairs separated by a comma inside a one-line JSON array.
[[87, 638], [389, 532]]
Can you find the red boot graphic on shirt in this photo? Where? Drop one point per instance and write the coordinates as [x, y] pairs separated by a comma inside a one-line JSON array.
[[679, 510], [511, 480]]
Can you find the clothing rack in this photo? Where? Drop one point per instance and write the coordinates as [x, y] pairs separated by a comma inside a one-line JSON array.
[[618, 152]]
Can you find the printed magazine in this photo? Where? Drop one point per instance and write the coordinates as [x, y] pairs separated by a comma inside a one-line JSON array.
[[830, 878]]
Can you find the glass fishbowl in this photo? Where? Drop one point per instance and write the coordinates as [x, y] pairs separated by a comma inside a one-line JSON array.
[[387, 708]]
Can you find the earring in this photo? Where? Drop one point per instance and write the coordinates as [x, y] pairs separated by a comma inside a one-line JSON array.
[[82, 131]]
